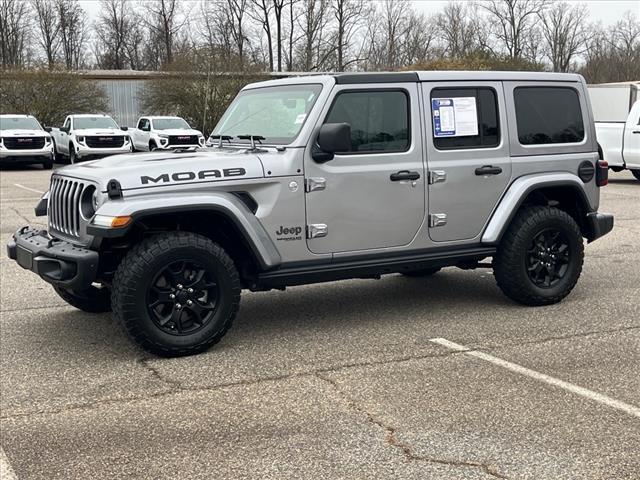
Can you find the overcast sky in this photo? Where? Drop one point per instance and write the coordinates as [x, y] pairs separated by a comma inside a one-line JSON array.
[[607, 11]]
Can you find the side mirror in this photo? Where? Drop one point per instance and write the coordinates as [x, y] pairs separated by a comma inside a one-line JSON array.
[[124, 129], [47, 129], [64, 129], [332, 138]]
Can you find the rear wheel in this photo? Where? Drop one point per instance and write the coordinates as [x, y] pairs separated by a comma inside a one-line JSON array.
[[636, 173], [539, 259], [424, 272], [176, 293], [92, 299]]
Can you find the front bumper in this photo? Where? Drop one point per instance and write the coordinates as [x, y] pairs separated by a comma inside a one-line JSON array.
[[87, 152], [40, 155], [598, 224], [55, 261]]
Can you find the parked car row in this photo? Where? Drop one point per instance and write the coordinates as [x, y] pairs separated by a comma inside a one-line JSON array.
[[88, 136]]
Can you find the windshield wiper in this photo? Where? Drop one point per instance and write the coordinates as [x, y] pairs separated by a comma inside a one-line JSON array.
[[221, 138], [252, 139]]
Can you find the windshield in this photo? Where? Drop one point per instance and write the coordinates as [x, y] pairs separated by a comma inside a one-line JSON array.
[[94, 122], [275, 113], [170, 123], [19, 123]]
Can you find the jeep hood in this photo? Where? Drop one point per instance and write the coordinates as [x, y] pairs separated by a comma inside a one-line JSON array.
[[159, 168]]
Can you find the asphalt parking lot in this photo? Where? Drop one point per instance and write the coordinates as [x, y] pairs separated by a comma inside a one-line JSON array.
[[436, 378]]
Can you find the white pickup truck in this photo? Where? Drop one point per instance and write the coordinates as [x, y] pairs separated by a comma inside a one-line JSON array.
[[163, 133], [89, 136], [616, 109], [23, 140]]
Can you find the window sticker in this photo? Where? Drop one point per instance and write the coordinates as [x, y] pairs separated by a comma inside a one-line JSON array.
[[300, 119], [455, 117]]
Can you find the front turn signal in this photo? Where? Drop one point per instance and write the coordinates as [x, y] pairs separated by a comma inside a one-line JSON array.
[[111, 222]]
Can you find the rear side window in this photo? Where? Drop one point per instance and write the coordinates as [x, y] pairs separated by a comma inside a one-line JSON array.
[[548, 115], [379, 119], [465, 118]]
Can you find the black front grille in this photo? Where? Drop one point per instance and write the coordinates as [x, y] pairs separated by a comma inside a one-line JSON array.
[[183, 140], [104, 141], [23, 143]]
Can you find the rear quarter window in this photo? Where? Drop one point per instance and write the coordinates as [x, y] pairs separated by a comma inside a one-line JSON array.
[[548, 115]]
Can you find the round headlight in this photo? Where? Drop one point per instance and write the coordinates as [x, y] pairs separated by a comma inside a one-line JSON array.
[[88, 202]]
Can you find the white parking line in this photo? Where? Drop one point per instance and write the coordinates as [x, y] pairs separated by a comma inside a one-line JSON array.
[[28, 188], [514, 367], [6, 472]]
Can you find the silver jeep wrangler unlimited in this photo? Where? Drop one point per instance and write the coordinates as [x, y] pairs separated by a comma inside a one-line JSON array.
[[321, 178]]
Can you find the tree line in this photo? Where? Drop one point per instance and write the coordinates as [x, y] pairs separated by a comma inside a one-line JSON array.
[[317, 35]]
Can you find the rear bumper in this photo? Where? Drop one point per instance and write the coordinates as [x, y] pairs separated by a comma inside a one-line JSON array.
[[599, 224], [55, 261]]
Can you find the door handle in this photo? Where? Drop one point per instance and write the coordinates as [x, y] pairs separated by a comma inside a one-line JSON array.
[[404, 175], [636, 131], [488, 170]]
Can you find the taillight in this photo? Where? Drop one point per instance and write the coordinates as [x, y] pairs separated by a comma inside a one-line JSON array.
[[602, 173]]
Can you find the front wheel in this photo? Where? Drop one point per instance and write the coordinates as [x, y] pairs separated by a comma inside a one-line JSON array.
[[636, 173], [539, 259], [72, 155], [176, 293], [91, 300]]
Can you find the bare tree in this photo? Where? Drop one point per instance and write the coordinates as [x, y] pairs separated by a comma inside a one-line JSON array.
[[513, 21], [312, 22], [73, 31], [48, 29], [113, 30], [224, 29], [14, 32], [459, 29], [260, 11], [348, 15], [563, 28], [164, 23], [420, 38]]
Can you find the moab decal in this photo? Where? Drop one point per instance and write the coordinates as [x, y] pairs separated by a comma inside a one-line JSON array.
[[187, 176]]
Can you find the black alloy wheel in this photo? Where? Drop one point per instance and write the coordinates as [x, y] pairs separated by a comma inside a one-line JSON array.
[[183, 297], [548, 258]]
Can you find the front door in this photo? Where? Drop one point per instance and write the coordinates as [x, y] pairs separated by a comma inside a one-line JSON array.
[[468, 156], [372, 196]]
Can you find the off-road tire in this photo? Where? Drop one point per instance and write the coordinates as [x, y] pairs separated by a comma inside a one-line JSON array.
[[134, 278], [636, 173], [91, 300], [424, 272], [509, 263], [48, 165]]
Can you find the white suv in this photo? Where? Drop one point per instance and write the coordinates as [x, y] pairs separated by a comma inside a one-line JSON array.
[[163, 133], [23, 140]]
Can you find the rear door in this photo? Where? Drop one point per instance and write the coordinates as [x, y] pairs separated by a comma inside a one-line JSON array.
[[467, 156]]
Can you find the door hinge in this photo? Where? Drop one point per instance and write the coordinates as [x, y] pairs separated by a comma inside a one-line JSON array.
[[437, 176], [317, 230], [314, 184], [437, 219]]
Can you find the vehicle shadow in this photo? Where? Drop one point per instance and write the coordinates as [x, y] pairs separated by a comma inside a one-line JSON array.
[[265, 317]]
